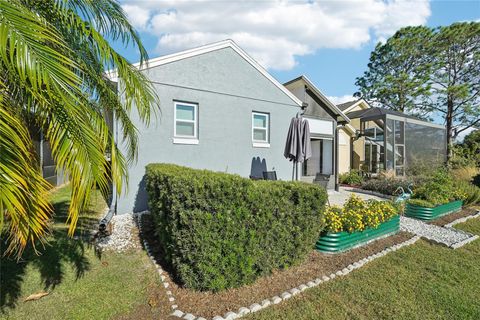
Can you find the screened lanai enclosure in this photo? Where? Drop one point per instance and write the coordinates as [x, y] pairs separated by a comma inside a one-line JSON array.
[[393, 141]]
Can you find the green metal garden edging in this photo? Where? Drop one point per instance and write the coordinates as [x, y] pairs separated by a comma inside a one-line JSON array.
[[342, 241], [424, 213]]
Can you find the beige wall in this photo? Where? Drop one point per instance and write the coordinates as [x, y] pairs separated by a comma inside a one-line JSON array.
[[348, 157], [343, 151], [358, 157]]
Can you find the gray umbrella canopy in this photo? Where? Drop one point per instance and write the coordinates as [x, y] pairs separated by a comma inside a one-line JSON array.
[[298, 147]]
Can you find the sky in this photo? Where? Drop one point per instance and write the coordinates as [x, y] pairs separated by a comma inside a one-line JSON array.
[[328, 41]]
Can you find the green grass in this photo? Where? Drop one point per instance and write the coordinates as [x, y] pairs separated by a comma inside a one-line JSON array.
[[423, 281], [82, 284]]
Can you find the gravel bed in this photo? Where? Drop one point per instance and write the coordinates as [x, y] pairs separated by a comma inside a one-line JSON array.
[[124, 235], [450, 237]]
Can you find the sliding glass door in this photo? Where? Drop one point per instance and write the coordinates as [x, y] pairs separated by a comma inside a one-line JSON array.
[[321, 161]]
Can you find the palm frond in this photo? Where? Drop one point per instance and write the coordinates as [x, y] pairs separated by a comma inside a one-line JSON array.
[[24, 210], [52, 57]]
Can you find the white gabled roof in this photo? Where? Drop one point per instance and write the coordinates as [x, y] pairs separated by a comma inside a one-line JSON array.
[[112, 74]]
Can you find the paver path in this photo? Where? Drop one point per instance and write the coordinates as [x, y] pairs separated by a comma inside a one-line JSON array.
[[450, 237]]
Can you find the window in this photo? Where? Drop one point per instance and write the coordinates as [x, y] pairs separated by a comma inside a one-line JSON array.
[[186, 120], [260, 128]]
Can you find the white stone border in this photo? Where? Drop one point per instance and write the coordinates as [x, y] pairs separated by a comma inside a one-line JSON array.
[[460, 220], [160, 271], [273, 300]]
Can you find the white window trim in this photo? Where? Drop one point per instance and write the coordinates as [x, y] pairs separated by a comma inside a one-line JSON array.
[[185, 141], [261, 143], [195, 122]]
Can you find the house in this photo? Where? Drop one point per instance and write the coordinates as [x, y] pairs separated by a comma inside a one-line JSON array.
[[220, 110], [325, 119], [351, 148], [388, 140]]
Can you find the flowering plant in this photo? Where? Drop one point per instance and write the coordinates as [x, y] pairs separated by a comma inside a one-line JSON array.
[[358, 215]]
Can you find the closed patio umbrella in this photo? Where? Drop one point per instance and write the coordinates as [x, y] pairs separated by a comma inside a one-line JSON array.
[[297, 146]]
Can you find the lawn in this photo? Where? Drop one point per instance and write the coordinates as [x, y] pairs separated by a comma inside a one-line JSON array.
[[423, 281], [82, 283]]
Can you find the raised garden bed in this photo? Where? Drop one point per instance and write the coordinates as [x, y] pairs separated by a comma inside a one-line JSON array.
[[424, 213], [334, 242], [210, 304]]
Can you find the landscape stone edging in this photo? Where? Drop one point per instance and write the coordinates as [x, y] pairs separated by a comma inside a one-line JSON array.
[[274, 300], [460, 220], [160, 271]]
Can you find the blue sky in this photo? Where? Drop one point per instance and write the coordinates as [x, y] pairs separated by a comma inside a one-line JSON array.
[[329, 41]]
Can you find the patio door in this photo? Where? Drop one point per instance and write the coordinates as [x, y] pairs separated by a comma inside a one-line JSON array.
[[321, 160], [374, 156]]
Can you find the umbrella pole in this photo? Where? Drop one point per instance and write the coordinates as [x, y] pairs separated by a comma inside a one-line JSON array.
[[293, 171], [296, 171]]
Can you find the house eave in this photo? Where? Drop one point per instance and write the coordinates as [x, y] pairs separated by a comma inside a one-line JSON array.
[[155, 62], [343, 117]]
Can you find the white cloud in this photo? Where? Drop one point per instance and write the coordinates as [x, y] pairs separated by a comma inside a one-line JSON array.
[[137, 16], [341, 99], [274, 32], [462, 134]]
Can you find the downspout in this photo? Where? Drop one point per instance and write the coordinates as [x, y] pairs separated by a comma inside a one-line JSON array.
[[112, 210], [103, 226], [336, 157], [41, 152]]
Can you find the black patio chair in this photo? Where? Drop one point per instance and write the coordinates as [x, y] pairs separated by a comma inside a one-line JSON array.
[[270, 175]]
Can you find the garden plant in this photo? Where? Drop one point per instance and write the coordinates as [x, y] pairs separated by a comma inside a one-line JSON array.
[[358, 215], [353, 177], [220, 230]]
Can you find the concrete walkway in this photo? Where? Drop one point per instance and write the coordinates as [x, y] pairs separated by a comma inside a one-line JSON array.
[[449, 237], [338, 198]]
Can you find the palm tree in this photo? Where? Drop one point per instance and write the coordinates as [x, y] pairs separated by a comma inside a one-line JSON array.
[[53, 54]]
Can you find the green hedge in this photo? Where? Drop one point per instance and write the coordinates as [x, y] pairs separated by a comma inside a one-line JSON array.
[[219, 230], [386, 186]]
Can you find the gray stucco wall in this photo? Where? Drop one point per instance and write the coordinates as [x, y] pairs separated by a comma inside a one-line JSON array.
[[227, 90]]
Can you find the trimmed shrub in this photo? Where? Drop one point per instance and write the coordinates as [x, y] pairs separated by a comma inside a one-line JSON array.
[[354, 177], [386, 186], [219, 230], [357, 215]]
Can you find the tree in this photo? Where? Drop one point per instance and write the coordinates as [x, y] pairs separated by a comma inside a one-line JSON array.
[[468, 151], [472, 141], [456, 78], [53, 54], [431, 73], [398, 73]]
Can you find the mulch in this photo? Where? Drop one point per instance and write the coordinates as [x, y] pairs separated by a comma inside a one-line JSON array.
[[465, 212], [209, 304]]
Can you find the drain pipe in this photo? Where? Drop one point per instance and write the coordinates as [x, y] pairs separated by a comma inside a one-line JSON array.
[[103, 226]]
